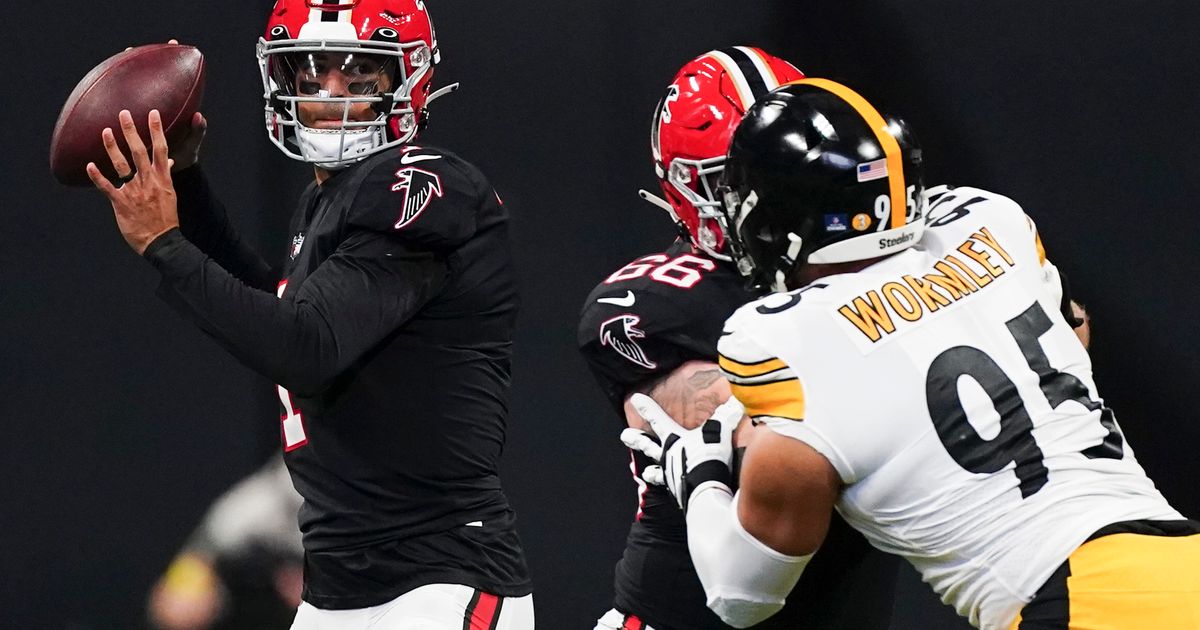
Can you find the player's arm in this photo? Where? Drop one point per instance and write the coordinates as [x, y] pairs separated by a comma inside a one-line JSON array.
[[690, 394], [204, 221], [1056, 282], [381, 274], [361, 294], [750, 549], [163, 189], [745, 579]]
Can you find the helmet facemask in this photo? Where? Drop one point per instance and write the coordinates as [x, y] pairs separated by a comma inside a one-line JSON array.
[[372, 74], [696, 181]]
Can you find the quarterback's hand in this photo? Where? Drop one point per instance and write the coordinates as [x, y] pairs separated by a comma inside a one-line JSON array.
[[144, 204], [690, 460], [186, 152]]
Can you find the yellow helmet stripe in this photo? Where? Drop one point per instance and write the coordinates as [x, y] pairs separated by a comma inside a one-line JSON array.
[[891, 147]]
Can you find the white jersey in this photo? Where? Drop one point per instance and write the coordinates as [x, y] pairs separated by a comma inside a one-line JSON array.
[[954, 401]]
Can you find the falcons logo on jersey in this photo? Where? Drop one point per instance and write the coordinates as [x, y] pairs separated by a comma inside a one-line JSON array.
[[419, 188], [619, 334]]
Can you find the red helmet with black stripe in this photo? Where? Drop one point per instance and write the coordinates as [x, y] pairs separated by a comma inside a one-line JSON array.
[[693, 125], [385, 50]]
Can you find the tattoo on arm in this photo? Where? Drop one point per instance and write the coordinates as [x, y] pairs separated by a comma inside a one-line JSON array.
[[688, 395]]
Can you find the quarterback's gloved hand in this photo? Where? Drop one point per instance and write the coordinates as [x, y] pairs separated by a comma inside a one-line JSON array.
[[690, 460]]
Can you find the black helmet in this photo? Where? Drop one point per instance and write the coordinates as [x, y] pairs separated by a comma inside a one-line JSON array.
[[813, 175]]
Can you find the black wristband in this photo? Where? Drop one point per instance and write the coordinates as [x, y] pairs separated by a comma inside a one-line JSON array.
[[712, 470]]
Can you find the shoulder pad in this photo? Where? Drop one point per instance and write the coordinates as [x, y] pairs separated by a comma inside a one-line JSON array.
[[423, 195]]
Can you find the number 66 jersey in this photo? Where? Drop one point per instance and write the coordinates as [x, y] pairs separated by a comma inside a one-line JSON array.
[[954, 401]]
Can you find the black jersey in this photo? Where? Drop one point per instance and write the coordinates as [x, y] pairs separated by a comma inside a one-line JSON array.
[[389, 333], [640, 324]]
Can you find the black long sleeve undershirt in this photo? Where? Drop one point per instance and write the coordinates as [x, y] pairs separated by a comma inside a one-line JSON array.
[[205, 223], [362, 293]]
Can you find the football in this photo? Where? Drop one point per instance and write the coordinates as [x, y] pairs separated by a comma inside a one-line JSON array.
[[166, 77]]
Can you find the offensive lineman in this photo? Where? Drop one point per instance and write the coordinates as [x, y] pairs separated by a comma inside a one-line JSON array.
[[916, 375], [389, 330], [652, 327]]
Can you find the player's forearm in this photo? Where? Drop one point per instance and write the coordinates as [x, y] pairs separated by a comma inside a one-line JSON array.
[[204, 221], [689, 394], [744, 581], [303, 343]]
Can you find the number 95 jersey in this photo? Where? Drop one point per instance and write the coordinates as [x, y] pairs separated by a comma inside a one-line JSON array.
[[955, 403]]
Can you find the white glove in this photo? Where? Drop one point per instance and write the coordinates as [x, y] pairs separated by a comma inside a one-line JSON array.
[[689, 460]]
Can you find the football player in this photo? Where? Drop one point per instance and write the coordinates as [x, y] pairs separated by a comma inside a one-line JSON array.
[[388, 330], [914, 371], [652, 327]]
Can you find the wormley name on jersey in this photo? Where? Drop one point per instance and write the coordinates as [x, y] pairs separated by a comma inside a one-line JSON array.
[[909, 298]]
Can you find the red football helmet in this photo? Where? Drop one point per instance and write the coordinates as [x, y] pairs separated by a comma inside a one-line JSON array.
[[692, 128], [384, 52]]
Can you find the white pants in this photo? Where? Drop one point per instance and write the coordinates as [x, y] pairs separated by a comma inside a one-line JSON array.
[[431, 607], [617, 620]]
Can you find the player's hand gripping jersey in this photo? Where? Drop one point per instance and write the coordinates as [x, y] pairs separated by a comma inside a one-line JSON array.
[[398, 282], [644, 321], [955, 403]]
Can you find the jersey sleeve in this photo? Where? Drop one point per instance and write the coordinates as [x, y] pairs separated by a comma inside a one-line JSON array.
[[204, 221], [771, 390], [303, 341], [627, 347], [426, 197], [634, 330]]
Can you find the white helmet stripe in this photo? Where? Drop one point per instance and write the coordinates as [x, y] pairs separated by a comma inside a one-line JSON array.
[[745, 94], [768, 75]]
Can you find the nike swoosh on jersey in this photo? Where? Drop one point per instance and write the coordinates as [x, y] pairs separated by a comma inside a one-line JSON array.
[[413, 159], [623, 302]]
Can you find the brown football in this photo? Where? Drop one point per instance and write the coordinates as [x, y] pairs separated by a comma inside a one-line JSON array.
[[166, 77]]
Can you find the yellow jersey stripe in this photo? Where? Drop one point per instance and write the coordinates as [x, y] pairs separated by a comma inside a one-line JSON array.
[[780, 399], [750, 370], [891, 147]]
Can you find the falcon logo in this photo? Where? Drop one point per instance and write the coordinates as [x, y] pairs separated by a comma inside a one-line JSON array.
[[619, 334], [419, 188]]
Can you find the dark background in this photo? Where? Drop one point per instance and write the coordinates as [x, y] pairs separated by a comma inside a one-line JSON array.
[[120, 422]]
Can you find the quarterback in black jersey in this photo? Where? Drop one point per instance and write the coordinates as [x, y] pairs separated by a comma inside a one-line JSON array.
[[652, 327], [388, 330]]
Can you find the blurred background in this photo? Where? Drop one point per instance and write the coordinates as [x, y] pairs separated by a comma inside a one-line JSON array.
[[120, 423]]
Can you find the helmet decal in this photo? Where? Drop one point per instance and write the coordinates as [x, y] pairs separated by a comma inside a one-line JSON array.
[[891, 148]]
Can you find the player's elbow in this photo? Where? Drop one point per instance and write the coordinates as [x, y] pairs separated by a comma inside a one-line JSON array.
[[742, 610]]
